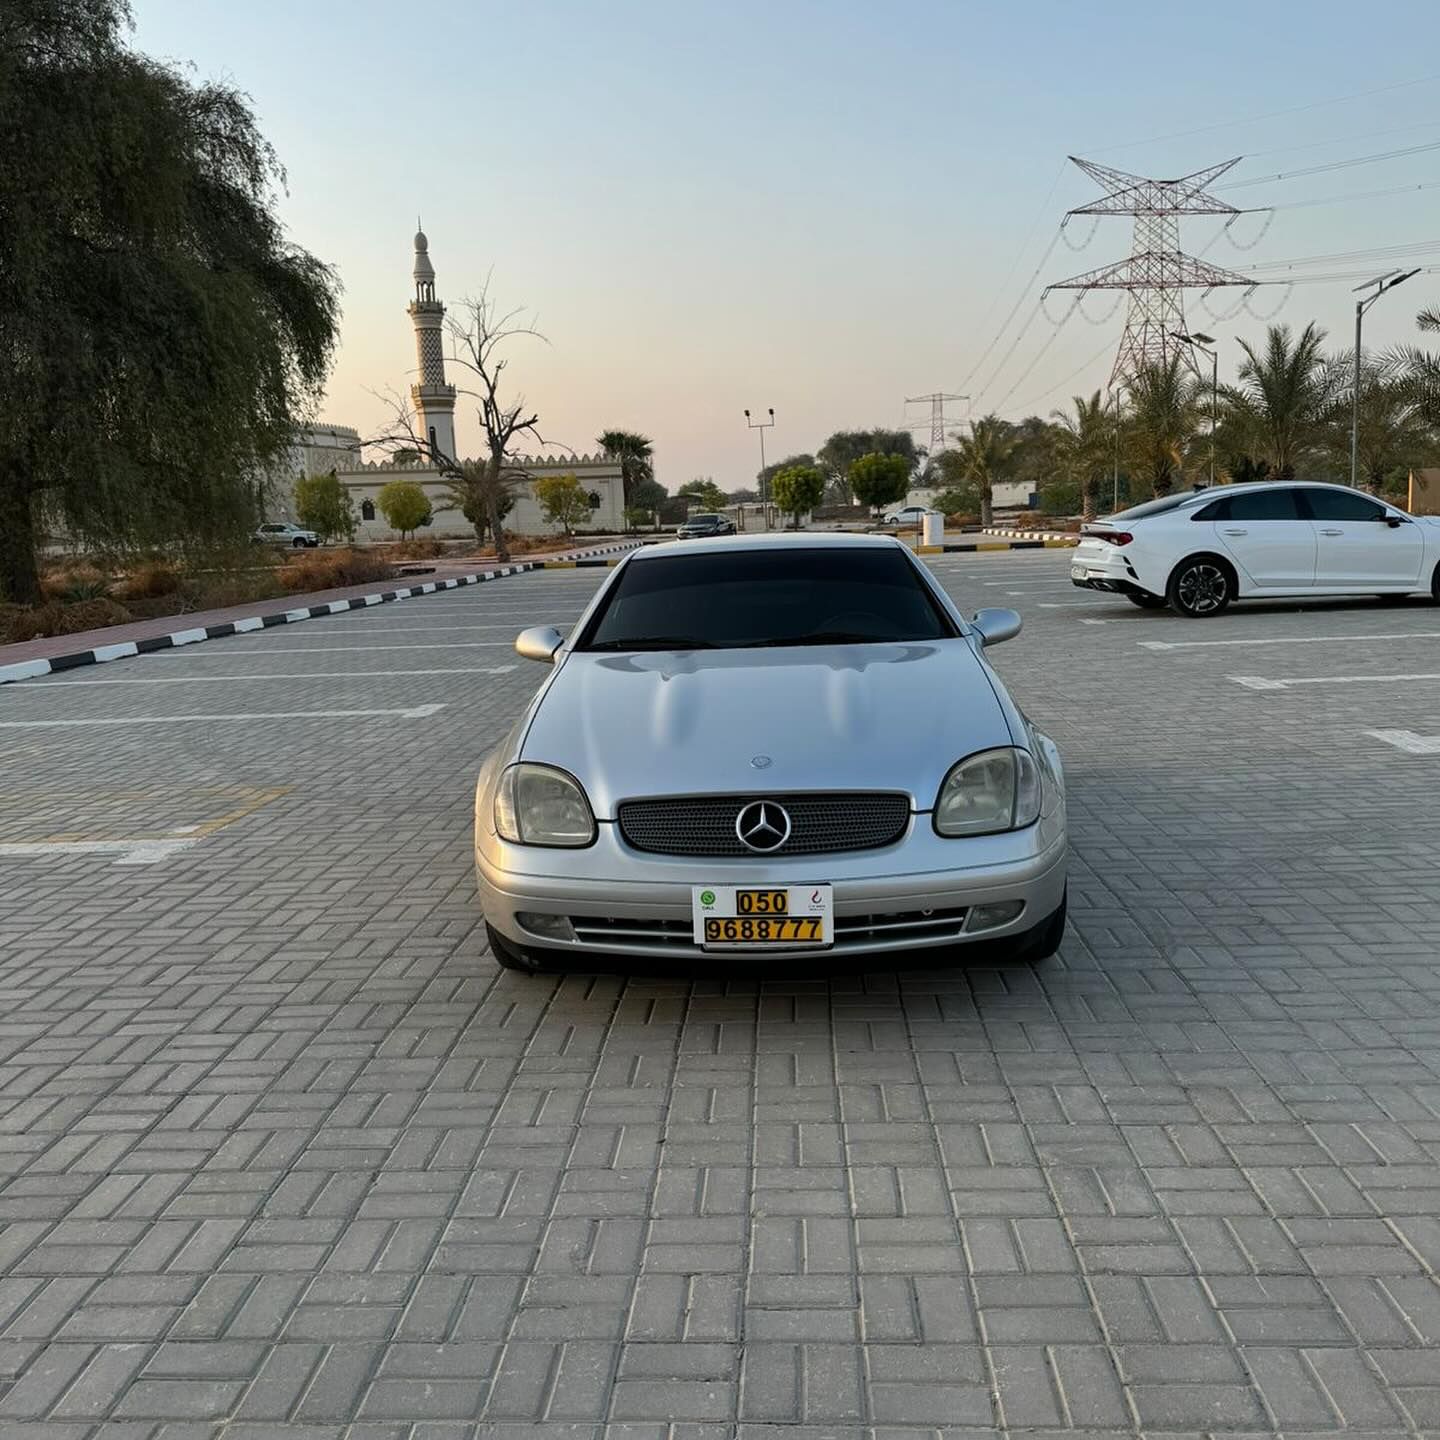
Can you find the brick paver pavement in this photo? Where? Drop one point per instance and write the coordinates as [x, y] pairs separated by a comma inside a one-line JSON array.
[[282, 1153]]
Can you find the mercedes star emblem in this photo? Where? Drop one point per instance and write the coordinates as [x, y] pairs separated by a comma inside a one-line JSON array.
[[762, 825]]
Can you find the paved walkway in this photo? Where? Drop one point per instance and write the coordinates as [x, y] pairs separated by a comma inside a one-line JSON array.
[[284, 1156], [50, 646]]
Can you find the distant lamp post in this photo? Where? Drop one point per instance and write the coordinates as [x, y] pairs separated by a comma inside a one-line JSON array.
[[762, 426], [1207, 343], [1388, 281]]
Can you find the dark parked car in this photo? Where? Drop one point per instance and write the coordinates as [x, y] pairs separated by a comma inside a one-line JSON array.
[[705, 526]]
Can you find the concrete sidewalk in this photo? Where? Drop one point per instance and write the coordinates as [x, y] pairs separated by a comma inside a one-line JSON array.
[[30, 658]]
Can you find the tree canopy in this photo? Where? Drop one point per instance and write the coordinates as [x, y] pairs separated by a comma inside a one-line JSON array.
[[564, 500], [878, 479], [405, 506], [796, 489], [845, 447], [704, 492], [159, 336], [322, 504]]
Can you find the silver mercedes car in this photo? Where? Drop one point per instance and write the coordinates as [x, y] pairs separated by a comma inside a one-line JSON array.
[[770, 744]]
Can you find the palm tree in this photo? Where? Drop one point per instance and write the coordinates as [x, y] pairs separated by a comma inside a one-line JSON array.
[[984, 455], [634, 451], [1161, 422], [1283, 394], [1087, 445], [1429, 319], [1393, 432]]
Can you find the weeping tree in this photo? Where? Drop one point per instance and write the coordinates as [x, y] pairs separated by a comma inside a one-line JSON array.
[[159, 337]]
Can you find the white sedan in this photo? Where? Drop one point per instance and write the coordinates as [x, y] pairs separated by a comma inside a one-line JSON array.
[[910, 515], [1199, 550]]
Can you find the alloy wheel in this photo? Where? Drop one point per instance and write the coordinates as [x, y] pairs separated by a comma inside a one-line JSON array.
[[1203, 588]]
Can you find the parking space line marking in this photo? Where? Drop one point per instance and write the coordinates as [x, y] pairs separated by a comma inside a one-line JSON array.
[[127, 852], [362, 649], [1288, 640], [1408, 741], [413, 712], [1260, 682], [306, 675]]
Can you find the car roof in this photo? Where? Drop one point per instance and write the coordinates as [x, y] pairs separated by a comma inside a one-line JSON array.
[[1247, 487], [770, 540]]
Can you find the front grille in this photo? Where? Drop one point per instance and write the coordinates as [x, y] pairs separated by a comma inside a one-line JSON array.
[[898, 927], [819, 824]]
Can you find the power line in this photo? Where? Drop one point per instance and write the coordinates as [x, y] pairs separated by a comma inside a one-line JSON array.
[[1375, 253], [1360, 195], [1268, 115], [1333, 165], [1342, 139], [1078, 370], [1005, 324], [1004, 360]]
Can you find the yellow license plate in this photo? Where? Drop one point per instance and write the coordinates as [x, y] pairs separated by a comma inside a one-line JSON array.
[[762, 902], [764, 929]]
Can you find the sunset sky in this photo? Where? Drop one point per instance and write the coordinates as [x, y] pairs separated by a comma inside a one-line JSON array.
[[820, 207]]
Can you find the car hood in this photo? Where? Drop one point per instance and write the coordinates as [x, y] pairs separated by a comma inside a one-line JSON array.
[[883, 717]]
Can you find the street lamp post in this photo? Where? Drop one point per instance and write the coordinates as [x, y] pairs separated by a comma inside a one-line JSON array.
[[1200, 341], [1388, 281], [762, 426]]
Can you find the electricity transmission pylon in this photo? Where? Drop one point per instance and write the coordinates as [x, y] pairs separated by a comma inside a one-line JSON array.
[[937, 403], [1158, 272]]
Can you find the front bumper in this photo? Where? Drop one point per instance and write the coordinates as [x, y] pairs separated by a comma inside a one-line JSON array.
[[913, 895]]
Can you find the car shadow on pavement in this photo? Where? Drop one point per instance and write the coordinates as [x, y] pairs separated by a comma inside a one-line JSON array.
[[993, 955]]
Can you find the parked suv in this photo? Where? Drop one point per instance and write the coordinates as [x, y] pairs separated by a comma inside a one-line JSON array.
[[285, 533]]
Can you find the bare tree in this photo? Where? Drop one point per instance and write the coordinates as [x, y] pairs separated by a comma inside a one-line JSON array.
[[478, 333]]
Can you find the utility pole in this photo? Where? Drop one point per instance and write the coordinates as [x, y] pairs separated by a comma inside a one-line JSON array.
[[1388, 281], [936, 402], [1115, 478], [762, 426], [1208, 343]]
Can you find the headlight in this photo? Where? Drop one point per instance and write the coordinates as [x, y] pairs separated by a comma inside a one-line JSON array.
[[989, 792], [540, 805]]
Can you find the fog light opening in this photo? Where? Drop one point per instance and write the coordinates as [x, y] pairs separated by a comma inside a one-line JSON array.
[[991, 917], [547, 927]]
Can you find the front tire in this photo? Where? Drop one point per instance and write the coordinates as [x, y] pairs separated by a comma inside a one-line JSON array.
[[1200, 587], [1044, 940], [298, 543], [1145, 600], [506, 956], [1435, 585]]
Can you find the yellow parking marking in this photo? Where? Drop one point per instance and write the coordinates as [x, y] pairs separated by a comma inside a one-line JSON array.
[[127, 818]]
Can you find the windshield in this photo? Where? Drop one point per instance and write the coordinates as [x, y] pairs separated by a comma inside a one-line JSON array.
[[767, 597]]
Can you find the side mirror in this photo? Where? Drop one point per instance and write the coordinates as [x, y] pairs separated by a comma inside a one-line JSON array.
[[1395, 521], [996, 626], [539, 642]]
